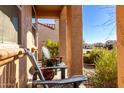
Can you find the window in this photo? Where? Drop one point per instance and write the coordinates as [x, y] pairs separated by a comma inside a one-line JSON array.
[[9, 24]]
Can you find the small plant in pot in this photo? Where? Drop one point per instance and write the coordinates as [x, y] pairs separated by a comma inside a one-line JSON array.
[[52, 46]]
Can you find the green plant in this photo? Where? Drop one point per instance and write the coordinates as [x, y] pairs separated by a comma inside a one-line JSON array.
[[87, 58], [48, 62], [95, 54], [53, 47], [106, 70], [91, 56]]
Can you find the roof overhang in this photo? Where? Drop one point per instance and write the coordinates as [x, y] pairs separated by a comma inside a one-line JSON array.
[[48, 11]]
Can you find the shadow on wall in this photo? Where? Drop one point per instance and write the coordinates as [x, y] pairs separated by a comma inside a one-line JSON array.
[[13, 15], [14, 75], [8, 76], [23, 72]]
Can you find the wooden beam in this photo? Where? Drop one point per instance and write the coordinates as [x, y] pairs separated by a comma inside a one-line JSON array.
[[9, 55], [48, 14], [34, 10], [19, 7]]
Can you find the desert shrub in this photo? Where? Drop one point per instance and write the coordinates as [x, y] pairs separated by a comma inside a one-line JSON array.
[[95, 54], [87, 58], [106, 70], [91, 57]]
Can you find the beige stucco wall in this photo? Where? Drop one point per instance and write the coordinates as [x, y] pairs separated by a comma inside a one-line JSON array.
[[8, 29], [9, 74], [62, 33], [74, 40], [16, 74], [45, 33], [27, 39]]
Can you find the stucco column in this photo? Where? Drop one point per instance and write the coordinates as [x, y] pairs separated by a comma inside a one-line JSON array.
[[74, 40], [26, 42], [62, 34], [120, 44]]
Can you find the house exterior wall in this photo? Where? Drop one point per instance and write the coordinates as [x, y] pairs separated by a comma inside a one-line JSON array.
[[74, 40], [62, 33], [9, 24], [16, 74], [26, 41], [45, 33], [9, 75], [120, 44]]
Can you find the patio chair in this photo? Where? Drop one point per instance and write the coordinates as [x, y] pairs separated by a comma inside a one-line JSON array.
[[72, 82]]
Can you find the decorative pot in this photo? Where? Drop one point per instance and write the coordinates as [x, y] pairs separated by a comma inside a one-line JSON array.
[[48, 74]]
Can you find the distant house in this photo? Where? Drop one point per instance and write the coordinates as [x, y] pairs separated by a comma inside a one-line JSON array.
[[110, 44], [45, 32], [99, 44], [87, 46]]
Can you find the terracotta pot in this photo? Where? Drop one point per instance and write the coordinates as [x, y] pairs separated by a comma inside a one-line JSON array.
[[48, 74]]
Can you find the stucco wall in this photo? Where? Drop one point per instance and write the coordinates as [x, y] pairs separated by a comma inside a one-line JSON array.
[[120, 44], [9, 23], [16, 73], [9, 74], [27, 39]]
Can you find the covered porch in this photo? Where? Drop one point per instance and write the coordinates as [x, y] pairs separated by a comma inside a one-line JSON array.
[[14, 72], [70, 23], [70, 33]]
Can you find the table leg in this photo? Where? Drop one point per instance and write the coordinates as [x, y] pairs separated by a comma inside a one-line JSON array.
[[62, 73]]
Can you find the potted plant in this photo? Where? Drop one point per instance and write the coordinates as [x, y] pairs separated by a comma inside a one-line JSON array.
[[53, 48]]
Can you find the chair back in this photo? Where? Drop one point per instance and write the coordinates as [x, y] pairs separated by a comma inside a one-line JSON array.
[[35, 65], [46, 52]]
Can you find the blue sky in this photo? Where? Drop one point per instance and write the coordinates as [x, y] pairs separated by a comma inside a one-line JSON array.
[[51, 21], [98, 23]]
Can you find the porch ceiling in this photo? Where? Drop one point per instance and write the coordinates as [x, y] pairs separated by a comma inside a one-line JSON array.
[[48, 11]]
